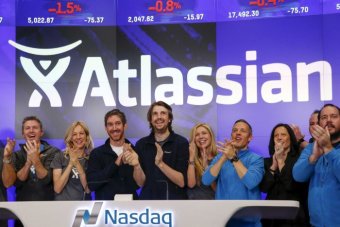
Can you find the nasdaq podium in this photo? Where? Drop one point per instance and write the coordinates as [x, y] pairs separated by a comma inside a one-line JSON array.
[[144, 213]]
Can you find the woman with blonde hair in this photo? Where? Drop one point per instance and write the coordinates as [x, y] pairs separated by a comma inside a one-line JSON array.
[[202, 150], [69, 179]]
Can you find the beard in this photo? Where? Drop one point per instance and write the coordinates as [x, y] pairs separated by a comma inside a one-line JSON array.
[[160, 130], [335, 137], [116, 135]]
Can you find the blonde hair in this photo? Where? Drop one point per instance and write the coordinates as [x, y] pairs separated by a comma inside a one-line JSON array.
[[199, 165], [69, 133]]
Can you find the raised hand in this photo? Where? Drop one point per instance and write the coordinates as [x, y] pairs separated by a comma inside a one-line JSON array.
[[322, 137], [159, 154], [227, 149], [279, 151], [204, 156], [192, 150], [9, 148], [32, 149], [317, 152], [275, 164], [297, 132], [73, 156], [119, 160], [129, 155], [280, 156]]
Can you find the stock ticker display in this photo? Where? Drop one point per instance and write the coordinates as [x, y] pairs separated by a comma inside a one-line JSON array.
[[147, 12]]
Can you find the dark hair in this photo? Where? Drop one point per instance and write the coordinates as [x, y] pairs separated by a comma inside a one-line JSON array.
[[294, 147], [327, 105], [31, 118], [115, 112], [166, 106], [246, 122], [316, 112]]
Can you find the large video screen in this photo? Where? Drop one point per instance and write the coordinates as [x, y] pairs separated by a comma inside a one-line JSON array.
[[266, 61]]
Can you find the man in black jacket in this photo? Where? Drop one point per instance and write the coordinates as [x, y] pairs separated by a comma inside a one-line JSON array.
[[114, 166], [164, 156]]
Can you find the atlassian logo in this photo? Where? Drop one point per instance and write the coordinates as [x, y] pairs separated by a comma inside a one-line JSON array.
[[89, 218], [227, 91], [45, 82]]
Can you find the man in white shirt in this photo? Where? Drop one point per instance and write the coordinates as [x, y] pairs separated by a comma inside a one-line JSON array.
[[114, 166]]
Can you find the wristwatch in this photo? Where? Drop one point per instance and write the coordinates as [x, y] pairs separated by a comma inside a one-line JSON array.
[[301, 140], [234, 159], [7, 161]]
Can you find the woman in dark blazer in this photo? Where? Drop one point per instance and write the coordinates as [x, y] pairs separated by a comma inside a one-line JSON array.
[[278, 180]]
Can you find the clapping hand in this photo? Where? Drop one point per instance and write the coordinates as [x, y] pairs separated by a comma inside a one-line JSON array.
[[119, 160], [322, 137], [279, 151], [227, 149], [317, 152], [159, 154], [192, 150], [9, 148], [73, 156], [204, 156], [129, 155], [32, 149]]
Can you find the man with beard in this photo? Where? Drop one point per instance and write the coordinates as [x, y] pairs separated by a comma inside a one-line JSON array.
[[164, 157], [114, 166], [320, 163], [237, 170], [32, 164]]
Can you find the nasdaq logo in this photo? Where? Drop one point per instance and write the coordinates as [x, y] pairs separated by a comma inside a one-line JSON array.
[[89, 218], [117, 217], [146, 217], [45, 82]]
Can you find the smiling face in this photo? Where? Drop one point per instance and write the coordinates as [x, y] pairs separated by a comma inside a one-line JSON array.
[[281, 136], [202, 138], [115, 128], [241, 135], [32, 131], [160, 119], [329, 116], [78, 138]]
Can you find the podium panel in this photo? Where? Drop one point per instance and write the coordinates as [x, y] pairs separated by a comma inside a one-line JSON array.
[[144, 213]]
